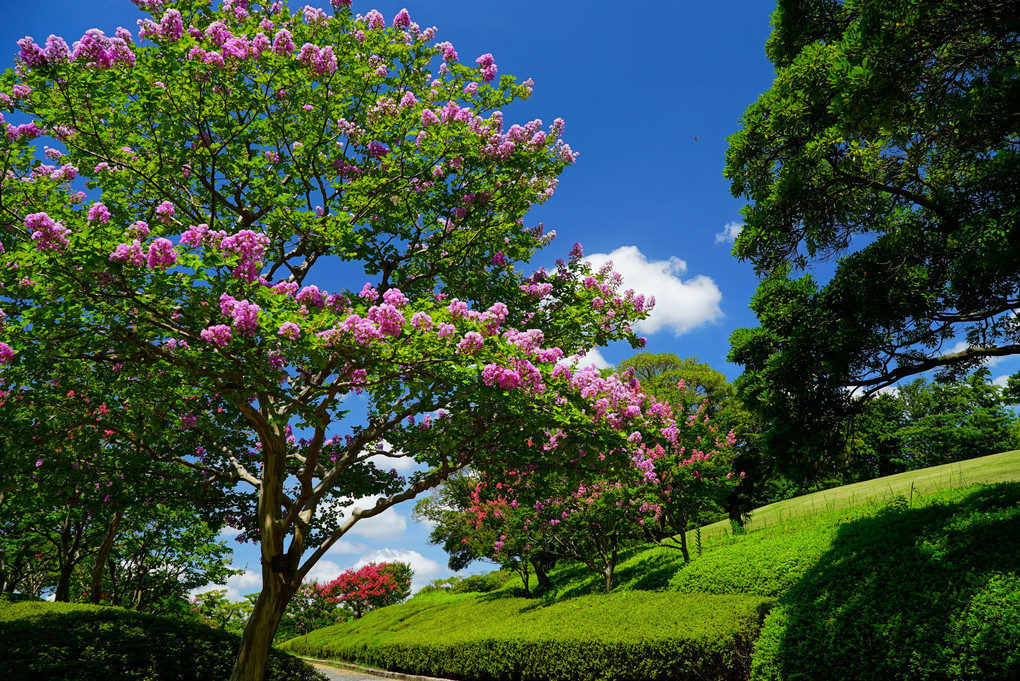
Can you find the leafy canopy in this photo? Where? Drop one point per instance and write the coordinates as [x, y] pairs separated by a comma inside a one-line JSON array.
[[880, 171]]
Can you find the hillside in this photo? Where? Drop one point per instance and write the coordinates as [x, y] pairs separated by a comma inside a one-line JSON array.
[[912, 576]]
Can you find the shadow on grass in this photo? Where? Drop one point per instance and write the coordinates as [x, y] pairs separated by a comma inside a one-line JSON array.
[[639, 568], [909, 593]]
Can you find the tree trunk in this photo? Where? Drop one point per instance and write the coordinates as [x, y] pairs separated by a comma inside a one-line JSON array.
[[63, 591], [257, 639], [683, 545], [542, 565], [96, 593]]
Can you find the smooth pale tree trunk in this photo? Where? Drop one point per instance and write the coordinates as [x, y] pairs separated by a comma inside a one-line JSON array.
[[96, 593], [257, 639], [280, 579]]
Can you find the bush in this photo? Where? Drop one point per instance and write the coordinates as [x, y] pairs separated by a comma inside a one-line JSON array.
[[763, 564], [75, 642], [624, 635], [482, 583], [919, 593]]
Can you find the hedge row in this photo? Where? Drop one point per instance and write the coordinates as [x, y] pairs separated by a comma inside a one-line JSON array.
[[929, 592], [624, 635], [42, 641]]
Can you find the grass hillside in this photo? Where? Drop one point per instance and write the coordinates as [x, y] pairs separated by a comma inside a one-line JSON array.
[[913, 576]]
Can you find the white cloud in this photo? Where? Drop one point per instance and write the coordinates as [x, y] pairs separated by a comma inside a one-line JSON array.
[[237, 586], [390, 460], [680, 305], [591, 357], [729, 233], [323, 571], [344, 546], [425, 569], [388, 524], [1001, 380]]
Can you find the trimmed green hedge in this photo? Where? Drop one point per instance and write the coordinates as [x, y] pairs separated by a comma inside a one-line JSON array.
[[929, 592], [624, 635], [42, 641]]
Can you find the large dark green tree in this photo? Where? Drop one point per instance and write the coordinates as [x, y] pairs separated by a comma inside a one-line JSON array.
[[881, 171]]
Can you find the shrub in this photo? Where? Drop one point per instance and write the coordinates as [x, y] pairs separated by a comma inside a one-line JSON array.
[[75, 642], [623, 635], [482, 583], [919, 593]]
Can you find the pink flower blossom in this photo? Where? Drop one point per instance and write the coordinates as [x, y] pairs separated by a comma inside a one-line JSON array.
[[217, 335], [311, 295], [99, 212], [402, 20], [48, 234], [283, 43], [161, 254], [471, 343], [131, 253], [290, 330], [6, 353]]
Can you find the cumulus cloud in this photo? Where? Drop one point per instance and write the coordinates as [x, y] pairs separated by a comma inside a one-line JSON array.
[[388, 524], [388, 459], [680, 305], [425, 569], [237, 586], [591, 357], [322, 572], [729, 233], [1001, 380], [344, 546]]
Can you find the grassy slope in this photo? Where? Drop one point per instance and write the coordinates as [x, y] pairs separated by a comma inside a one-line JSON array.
[[784, 546], [985, 470]]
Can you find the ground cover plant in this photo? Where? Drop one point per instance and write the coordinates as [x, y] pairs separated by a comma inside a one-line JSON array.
[[82, 642], [928, 591]]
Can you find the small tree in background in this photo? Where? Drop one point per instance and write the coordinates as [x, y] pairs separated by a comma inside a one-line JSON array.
[[373, 586]]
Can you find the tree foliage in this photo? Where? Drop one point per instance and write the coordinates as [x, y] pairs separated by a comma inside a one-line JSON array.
[[371, 586], [201, 188], [930, 423], [880, 170]]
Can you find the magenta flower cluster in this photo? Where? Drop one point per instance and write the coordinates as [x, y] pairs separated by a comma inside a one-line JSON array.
[[48, 234]]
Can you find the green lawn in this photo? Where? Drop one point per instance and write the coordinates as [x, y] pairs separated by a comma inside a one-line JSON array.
[[985, 470]]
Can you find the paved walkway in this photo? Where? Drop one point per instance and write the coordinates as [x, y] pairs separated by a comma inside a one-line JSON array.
[[353, 672], [337, 674]]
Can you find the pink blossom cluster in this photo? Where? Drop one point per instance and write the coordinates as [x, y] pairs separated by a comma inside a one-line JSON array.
[[487, 66], [244, 314], [320, 60], [250, 250], [217, 335], [161, 254], [100, 51], [48, 234], [25, 131], [6, 353]]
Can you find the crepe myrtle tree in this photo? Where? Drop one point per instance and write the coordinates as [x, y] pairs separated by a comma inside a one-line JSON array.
[[173, 203]]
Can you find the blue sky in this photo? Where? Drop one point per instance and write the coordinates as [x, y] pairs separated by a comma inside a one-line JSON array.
[[649, 92]]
